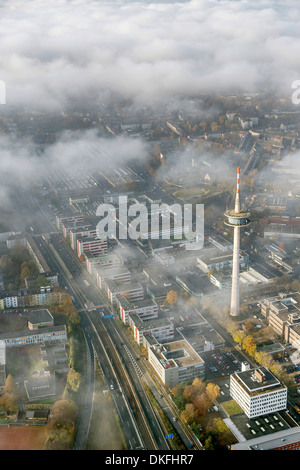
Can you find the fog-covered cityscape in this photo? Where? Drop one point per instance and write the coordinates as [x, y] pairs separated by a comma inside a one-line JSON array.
[[174, 127]]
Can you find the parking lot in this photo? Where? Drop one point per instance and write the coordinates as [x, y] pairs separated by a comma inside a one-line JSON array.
[[219, 363]]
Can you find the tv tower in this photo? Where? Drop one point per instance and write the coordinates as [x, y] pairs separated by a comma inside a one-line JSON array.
[[236, 218]]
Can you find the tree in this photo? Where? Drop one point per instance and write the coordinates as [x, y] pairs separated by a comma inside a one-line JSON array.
[[208, 444], [248, 326], [238, 336], [180, 402], [212, 392], [201, 403], [10, 395], [172, 297], [249, 346], [219, 429], [63, 414], [24, 273], [73, 380], [189, 393], [189, 414]]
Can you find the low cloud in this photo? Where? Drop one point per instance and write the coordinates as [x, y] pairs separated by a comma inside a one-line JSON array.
[[54, 53]]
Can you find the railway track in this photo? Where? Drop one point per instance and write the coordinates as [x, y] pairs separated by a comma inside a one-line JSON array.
[[125, 382]]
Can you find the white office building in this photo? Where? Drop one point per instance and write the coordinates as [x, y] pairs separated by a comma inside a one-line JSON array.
[[258, 392]]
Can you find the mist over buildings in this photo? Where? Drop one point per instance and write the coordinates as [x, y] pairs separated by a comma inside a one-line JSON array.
[[70, 54]]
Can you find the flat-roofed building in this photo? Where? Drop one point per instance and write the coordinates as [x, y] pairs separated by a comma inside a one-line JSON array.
[[283, 315], [134, 291], [88, 232], [40, 318], [176, 362], [146, 309], [22, 338], [92, 245], [161, 328], [93, 262], [288, 439], [120, 274], [221, 260], [282, 231], [61, 220], [258, 392], [220, 280], [220, 243]]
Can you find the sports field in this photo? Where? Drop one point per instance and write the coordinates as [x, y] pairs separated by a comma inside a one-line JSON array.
[[21, 437]]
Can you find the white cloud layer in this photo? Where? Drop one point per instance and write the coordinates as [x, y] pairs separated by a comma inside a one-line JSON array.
[[55, 51]]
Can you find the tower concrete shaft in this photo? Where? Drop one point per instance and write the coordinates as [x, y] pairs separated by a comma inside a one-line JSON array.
[[235, 290], [236, 218]]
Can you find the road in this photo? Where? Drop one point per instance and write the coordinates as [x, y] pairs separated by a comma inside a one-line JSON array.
[[141, 428]]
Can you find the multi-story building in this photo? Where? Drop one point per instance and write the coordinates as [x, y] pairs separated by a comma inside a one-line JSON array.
[[16, 240], [220, 280], [30, 297], [176, 362], [21, 338], [91, 245], [61, 220], [35, 252], [120, 274], [87, 231], [146, 309], [258, 392], [221, 261], [283, 315], [93, 262], [161, 329], [133, 291]]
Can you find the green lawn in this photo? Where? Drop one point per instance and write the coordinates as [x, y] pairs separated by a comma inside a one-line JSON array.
[[232, 407]]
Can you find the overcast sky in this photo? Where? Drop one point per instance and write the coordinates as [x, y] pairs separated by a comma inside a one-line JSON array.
[[55, 50]]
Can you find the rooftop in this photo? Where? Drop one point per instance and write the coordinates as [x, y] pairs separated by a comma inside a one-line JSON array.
[[257, 380], [181, 352]]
